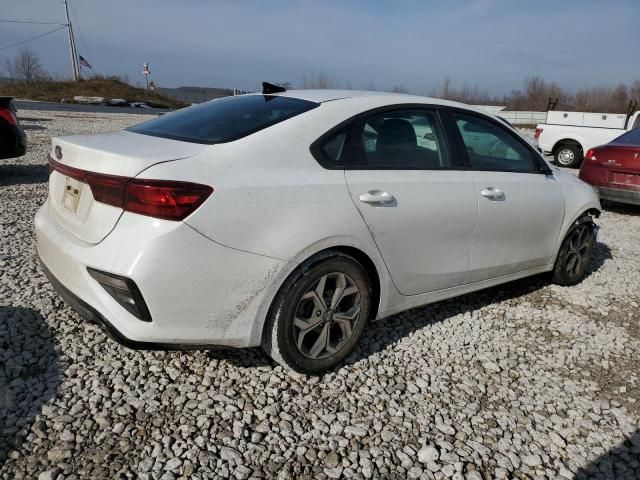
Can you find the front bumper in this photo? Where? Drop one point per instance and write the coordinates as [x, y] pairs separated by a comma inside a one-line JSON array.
[[199, 293]]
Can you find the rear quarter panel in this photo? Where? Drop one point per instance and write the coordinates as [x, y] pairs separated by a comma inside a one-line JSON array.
[[271, 197]]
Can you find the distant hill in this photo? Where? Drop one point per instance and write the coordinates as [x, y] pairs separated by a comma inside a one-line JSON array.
[[53, 91], [195, 94]]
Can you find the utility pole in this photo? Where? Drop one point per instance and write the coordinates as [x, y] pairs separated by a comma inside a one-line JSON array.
[[72, 45]]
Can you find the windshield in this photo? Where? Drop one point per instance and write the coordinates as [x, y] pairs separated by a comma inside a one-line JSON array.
[[225, 119]]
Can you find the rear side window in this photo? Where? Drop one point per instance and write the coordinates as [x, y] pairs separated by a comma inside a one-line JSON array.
[[225, 119], [334, 149], [404, 140], [491, 147], [632, 137]]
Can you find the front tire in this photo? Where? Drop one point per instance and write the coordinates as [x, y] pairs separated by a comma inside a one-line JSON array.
[[319, 314], [575, 253], [568, 155]]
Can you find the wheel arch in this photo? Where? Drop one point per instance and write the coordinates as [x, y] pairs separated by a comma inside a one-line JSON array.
[[586, 212], [318, 255], [371, 269], [570, 139]]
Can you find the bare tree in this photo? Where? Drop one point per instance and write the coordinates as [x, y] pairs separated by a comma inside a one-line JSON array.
[[634, 91], [318, 80], [26, 66], [399, 89], [466, 94], [620, 98]]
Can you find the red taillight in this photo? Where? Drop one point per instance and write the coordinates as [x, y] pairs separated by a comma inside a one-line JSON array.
[[8, 116], [164, 199], [538, 133], [109, 189], [591, 155]]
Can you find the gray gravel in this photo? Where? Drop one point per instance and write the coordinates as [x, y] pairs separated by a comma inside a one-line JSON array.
[[527, 380]]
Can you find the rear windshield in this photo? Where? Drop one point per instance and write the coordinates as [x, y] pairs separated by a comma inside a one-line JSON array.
[[632, 137], [224, 119]]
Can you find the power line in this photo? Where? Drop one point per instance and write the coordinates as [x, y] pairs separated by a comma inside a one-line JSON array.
[[33, 38], [35, 23]]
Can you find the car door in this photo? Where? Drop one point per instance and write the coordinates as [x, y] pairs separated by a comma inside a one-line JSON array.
[[520, 204], [416, 201]]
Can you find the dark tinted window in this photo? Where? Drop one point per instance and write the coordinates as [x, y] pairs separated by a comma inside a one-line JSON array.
[[404, 139], [224, 119], [333, 148], [632, 137], [491, 147]]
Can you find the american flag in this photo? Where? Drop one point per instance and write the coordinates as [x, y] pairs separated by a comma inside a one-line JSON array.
[[83, 62]]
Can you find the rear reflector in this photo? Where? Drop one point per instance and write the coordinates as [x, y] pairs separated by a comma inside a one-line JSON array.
[[124, 291], [165, 199]]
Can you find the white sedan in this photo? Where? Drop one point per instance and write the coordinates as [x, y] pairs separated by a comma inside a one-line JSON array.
[[292, 219]]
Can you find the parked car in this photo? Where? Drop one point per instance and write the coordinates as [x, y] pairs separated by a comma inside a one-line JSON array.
[[291, 220], [614, 168], [567, 135], [13, 140]]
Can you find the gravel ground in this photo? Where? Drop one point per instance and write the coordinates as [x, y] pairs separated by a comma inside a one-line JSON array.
[[527, 380]]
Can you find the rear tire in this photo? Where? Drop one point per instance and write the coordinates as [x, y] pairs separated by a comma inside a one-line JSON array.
[[575, 253], [319, 314], [568, 155]]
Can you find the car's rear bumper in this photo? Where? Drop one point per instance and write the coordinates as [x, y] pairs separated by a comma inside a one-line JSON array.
[[197, 291], [544, 146], [619, 195], [90, 314]]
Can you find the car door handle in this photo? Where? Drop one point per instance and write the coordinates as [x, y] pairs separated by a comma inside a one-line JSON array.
[[378, 197], [492, 193]]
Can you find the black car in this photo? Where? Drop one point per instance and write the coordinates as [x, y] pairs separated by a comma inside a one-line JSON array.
[[13, 140]]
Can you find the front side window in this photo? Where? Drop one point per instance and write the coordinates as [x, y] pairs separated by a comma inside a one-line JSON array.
[[404, 139], [224, 119], [491, 147]]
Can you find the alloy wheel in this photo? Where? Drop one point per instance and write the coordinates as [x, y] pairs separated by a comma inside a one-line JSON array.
[[326, 315], [578, 249]]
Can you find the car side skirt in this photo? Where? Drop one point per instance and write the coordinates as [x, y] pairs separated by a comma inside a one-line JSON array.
[[414, 301]]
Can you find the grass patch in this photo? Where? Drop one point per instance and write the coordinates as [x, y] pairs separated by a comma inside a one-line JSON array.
[[53, 91]]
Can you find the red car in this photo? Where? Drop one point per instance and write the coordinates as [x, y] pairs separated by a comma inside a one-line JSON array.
[[614, 168], [13, 141]]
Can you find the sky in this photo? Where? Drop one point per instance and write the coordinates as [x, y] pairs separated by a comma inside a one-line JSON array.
[[494, 44]]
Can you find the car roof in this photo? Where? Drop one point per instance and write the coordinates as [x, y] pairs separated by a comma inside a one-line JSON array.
[[322, 96]]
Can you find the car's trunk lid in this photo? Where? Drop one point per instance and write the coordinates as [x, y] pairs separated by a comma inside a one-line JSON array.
[[623, 165], [123, 154]]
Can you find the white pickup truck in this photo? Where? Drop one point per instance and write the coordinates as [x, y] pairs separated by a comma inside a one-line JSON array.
[[567, 135]]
